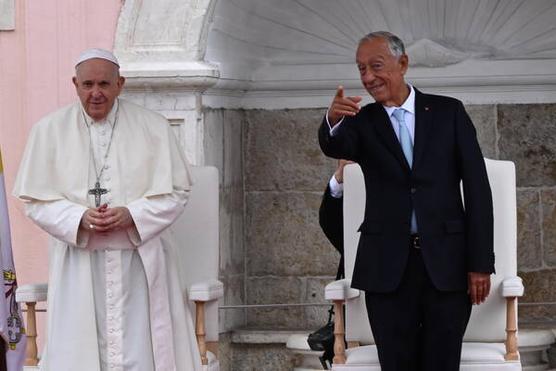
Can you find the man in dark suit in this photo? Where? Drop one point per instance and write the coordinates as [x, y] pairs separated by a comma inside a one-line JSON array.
[[423, 258]]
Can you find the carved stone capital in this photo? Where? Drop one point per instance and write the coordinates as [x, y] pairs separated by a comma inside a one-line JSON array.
[[190, 76], [161, 44]]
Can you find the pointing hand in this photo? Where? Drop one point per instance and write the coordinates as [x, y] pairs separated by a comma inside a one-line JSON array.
[[342, 106]]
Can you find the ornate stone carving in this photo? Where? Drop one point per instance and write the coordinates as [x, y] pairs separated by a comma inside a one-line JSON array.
[[480, 51], [264, 53], [325, 31], [428, 53], [161, 44]]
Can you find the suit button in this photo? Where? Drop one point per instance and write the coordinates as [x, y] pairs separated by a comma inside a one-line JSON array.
[[413, 190]]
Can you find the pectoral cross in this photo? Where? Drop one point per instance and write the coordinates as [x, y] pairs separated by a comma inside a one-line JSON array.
[[97, 192]]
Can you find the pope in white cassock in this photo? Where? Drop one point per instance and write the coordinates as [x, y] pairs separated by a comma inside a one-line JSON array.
[[105, 178]]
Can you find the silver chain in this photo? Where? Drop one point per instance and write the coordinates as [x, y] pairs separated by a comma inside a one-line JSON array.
[[109, 143]]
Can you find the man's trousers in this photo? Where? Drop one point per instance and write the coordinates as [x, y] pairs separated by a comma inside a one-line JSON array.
[[417, 327]]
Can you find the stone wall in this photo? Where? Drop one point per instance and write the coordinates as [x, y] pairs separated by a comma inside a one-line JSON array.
[[288, 259], [273, 251], [527, 136]]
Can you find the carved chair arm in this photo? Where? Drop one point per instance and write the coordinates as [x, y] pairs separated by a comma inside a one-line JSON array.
[[339, 292], [30, 295], [201, 293], [206, 291], [512, 288]]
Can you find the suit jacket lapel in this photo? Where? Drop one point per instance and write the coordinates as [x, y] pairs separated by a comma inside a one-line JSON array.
[[383, 127], [423, 124]]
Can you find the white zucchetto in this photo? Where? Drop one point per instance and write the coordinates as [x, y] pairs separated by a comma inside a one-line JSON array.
[[96, 53]]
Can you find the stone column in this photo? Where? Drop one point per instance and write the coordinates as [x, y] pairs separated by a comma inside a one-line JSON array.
[[161, 47]]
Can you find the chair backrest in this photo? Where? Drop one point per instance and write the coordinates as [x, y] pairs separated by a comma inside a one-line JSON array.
[[196, 232], [488, 320]]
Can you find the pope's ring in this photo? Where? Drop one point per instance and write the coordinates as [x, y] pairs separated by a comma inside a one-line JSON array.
[[91, 226]]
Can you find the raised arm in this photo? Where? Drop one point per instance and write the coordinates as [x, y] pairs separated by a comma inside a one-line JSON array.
[[336, 138], [342, 106]]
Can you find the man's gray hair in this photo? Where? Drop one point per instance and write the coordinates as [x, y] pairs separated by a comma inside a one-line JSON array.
[[394, 42]]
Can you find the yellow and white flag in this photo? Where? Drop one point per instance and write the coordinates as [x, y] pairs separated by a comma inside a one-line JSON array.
[[11, 324]]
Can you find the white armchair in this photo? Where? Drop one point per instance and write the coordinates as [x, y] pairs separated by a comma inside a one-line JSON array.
[[198, 229], [490, 342]]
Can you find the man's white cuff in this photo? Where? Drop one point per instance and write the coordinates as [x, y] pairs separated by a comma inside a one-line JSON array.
[[333, 128], [336, 189]]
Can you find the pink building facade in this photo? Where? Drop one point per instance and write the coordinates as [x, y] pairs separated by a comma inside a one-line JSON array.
[[36, 66]]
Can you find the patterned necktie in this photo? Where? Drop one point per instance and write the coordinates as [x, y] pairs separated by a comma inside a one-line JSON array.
[[407, 148], [405, 138]]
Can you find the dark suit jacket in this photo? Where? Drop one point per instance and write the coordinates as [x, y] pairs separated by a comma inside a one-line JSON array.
[[331, 215], [454, 241]]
